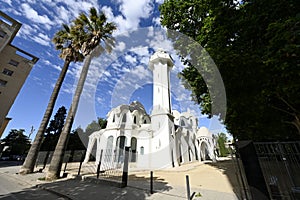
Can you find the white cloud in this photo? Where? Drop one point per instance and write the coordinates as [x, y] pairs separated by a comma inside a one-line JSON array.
[[140, 50], [41, 39], [7, 1], [56, 67], [120, 46], [130, 59], [34, 16], [63, 15], [156, 21], [108, 12], [159, 1], [132, 13]]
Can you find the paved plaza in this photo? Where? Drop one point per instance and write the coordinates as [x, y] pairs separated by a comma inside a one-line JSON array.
[[209, 181]]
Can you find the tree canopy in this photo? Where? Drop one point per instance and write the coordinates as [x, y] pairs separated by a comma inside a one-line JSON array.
[[255, 45], [17, 141], [53, 130]]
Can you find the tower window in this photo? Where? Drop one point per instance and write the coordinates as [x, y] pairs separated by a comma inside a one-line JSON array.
[[2, 34], [7, 72], [14, 63], [3, 82], [124, 118], [134, 120], [114, 119]]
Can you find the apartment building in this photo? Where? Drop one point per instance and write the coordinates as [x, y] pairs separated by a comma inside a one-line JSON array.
[[15, 66]]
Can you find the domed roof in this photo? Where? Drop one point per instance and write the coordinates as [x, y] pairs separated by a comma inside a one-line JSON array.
[[135, 105], [176, 114], [203, 132]]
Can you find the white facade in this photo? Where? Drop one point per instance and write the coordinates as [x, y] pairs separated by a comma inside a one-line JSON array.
[[166, 138]]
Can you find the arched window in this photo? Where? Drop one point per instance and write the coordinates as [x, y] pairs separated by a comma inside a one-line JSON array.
[[133, 144], [182, 123], [120, 146], [110, 141], [109, 146], [114, 118], [133, 149], [134, 119]]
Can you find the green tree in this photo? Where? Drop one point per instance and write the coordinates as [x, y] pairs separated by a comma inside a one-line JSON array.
[[255, 45], [92, 32], [221, 140], [75, 142], [17, 141], [102, 122], [95, 126], [63, 41], [54, 129]]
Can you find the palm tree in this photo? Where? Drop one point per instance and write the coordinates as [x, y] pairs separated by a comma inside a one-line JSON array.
[[62, 41], [95, 37]]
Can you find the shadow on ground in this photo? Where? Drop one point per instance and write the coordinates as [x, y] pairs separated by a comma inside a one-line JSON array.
[[229, 168], [30, 194], [79, 189], [10, 163]]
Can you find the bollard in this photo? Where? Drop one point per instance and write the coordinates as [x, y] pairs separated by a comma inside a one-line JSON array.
[[65, 167], [188, 187], [151, 182], [125, 167], [99, 164], [81, 161]]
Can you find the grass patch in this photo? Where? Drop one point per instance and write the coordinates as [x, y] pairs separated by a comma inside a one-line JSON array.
[[42, 179]]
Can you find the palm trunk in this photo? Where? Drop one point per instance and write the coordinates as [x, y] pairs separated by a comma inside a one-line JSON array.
[[58, 155], [31, 157]]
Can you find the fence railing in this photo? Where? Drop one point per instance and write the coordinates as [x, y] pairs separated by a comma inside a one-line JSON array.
[[112, 166], [280, 164]]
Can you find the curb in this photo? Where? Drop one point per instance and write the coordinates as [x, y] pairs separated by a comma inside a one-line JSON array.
[[101, 181], [54, 192]]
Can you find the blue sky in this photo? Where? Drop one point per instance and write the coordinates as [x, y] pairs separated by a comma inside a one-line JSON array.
[[120, 77]]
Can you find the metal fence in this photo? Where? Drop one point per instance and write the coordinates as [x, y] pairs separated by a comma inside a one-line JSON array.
[[112, 166], [44, 157], [280, 164]]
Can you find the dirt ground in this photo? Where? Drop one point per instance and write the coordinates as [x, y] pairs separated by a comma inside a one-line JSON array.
[[219, 176]]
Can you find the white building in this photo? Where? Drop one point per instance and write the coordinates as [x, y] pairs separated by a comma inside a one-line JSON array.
[[166, 138]]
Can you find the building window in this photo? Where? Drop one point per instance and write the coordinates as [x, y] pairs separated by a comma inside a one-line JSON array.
[[134, 119], [182, 123], [142, 150], [2, 34], [124, 118], [7, 72], [2, 82], [14, 63]]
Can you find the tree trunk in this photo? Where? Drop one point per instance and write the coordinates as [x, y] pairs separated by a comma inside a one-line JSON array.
[[31, 157], [58, 155]]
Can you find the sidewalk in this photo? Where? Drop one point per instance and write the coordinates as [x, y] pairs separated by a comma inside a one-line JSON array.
[[208, 183]]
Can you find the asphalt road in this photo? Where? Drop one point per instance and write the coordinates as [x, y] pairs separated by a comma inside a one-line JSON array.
[[11, 187]]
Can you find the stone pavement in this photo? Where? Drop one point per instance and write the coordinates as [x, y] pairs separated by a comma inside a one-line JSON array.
[[208, 181]]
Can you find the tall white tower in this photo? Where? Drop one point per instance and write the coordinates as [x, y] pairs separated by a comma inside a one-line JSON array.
[[162, 121], [161, 64]]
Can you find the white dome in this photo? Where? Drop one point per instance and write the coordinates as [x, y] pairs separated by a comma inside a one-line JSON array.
[[203, 132]]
